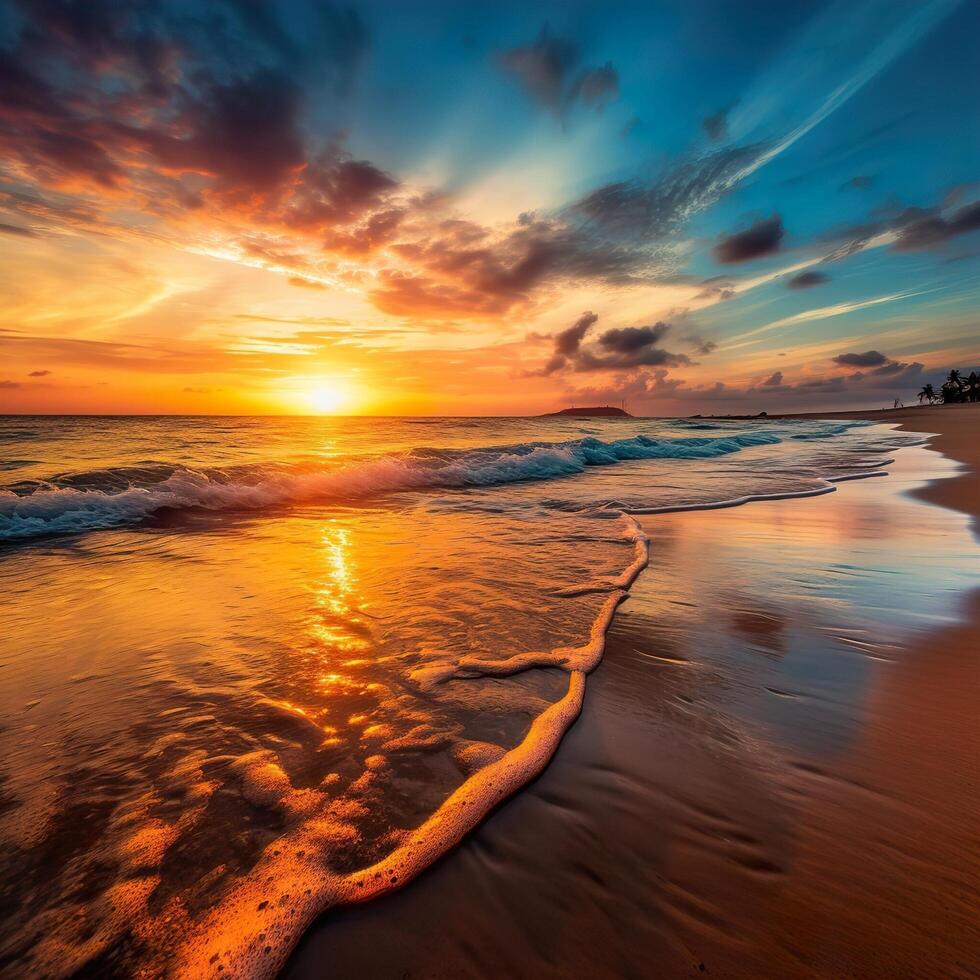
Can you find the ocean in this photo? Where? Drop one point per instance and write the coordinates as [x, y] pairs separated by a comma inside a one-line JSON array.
[[258, 667]]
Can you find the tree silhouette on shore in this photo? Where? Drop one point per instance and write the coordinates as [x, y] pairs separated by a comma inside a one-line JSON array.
[[955, 389]]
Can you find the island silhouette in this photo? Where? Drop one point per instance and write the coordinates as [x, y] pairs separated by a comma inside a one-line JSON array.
[[592, 411]]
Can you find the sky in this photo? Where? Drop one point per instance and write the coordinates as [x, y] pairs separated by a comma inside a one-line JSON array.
[[690, 206]]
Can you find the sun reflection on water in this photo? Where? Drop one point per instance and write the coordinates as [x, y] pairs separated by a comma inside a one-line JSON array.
[[339, 625]]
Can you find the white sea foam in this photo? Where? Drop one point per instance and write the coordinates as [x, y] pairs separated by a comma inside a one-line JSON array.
[[68, 509]]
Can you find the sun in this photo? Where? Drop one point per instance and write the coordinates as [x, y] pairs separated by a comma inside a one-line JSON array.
[[327, 398]]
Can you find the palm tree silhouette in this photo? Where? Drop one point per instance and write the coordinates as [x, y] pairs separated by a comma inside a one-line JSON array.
[[954, 389], [950, 393]]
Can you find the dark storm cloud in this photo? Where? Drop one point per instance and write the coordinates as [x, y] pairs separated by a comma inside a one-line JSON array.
[[547, 69], [763, 238], [39, 374], [870, 358], [808, 279]]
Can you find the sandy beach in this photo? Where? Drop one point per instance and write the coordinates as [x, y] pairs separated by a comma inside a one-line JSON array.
[[775, 772]]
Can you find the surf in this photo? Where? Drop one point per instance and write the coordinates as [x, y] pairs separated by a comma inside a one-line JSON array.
[[89, 506]]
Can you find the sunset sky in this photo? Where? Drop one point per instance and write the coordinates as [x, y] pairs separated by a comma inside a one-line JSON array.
[[699, 206]]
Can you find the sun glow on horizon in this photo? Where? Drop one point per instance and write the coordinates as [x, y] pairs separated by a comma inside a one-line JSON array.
[[329, 396]]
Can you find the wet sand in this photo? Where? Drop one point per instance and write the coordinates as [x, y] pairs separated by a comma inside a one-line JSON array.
[[776, 771]]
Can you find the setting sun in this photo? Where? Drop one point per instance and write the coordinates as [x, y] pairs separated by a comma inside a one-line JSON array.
[[328, 396], [327, 399]]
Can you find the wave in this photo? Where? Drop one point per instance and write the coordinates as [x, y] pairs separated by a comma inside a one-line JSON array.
[[825, 432], [115, 498]]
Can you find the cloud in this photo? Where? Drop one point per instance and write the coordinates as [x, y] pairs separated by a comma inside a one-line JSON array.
[[808, 279], [619, 348], [718, 288], [763, 238], [126, 97], [547, 70], [909, 229], [305, 283], [870, 358], [454, 272], [596, 87], [39, 374], [628, 340], [873, 364], [338, 190], [654, 209], [819, 313], [862, 182], [716, 126], [924, 229], [657, 386], [568, 341], [245, 134], [17, 230], [699, 344], [10, 384]]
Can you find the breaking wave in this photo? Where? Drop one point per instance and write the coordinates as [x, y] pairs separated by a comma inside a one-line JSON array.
[[115, 498]]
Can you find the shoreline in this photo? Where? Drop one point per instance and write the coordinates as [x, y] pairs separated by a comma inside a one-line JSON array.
[[956, 438], [324, 937]]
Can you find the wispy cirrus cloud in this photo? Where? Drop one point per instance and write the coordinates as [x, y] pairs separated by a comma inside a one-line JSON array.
[[819, 313]]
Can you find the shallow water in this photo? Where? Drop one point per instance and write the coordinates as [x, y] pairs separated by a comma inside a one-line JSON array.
[[773, 775], [249, 665]]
